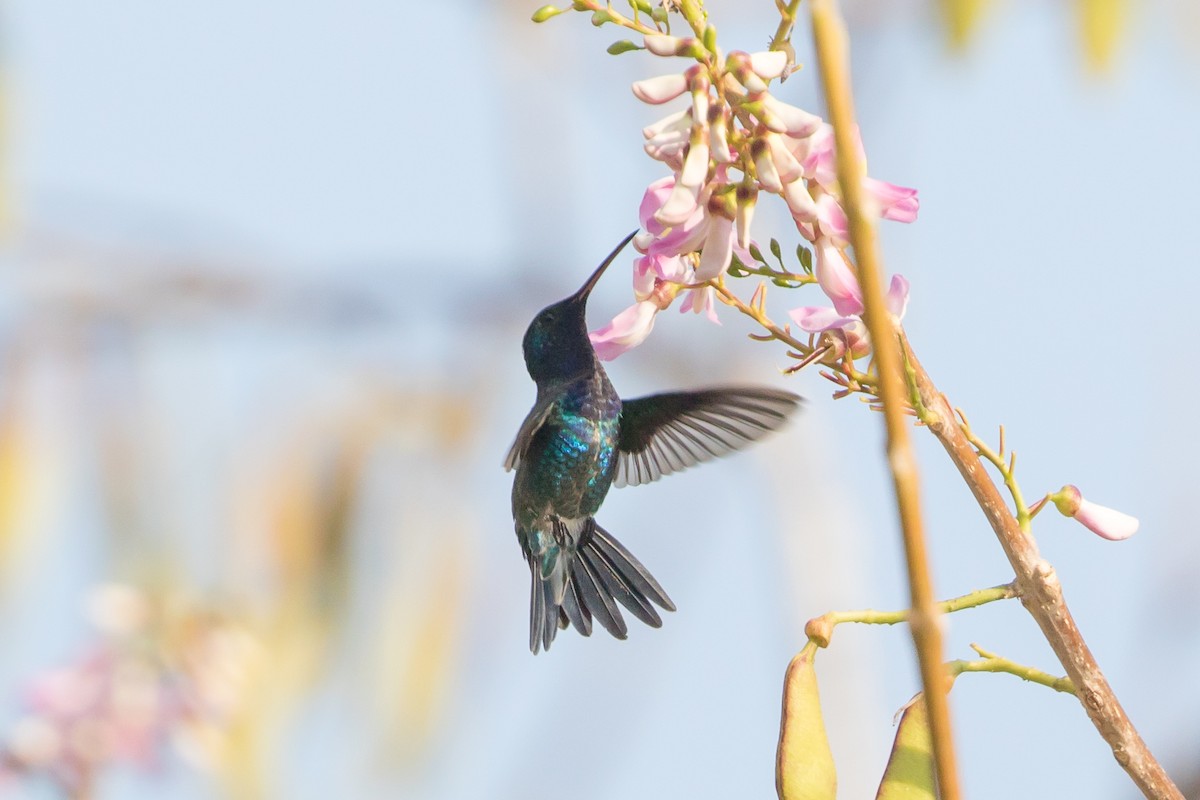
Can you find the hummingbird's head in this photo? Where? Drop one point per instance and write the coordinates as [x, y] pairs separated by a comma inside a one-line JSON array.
[[556, 343]]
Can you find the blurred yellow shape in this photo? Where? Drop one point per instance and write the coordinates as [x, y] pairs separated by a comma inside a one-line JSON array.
[[1101, 23], [962, 18]]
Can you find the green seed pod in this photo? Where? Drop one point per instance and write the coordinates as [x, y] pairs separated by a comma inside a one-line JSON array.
[[804, 767], [909, 773]]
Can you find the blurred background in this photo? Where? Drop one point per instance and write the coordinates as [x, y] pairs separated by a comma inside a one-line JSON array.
[[264, 273]]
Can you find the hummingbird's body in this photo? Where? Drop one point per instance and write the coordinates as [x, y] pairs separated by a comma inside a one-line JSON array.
[[577, 442]]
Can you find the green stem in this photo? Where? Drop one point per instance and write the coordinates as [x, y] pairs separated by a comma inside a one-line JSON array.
[[820, 629], [994, 663]]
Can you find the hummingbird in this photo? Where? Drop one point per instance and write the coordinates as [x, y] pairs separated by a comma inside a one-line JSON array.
[[579, 440]]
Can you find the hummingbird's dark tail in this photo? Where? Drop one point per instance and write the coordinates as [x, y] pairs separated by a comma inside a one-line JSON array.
[[602, 574]]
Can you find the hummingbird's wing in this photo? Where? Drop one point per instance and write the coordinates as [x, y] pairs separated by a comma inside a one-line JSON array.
[[666, 433], [537, 415]]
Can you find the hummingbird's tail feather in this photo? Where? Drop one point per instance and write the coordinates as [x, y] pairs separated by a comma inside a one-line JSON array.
[[602, 576], [636, 577], [575, 611]]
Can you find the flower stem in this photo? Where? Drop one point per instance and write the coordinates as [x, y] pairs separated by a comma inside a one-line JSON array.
[[820, 629], [990, 662], [829, 34]]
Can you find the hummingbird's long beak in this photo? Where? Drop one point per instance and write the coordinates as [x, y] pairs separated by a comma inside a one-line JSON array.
[[586, 289]]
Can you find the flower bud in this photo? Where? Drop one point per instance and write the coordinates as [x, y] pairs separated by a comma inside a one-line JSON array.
[[663, 45], [1105, 522]]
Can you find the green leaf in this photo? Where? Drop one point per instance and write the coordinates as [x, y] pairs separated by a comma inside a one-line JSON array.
[[804, 767], [909, 772], [623, 46]]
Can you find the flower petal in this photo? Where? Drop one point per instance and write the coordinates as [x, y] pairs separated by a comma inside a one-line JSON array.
[[679, 206], [718, 248], [897, 297], [700, 301], [796, 121], [626, 331], [897, 203], [818, 319], [837, 280], [1106, 522], [768, 64], [660, 89]]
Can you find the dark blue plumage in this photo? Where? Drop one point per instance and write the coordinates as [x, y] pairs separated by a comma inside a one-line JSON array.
[[578, 441]]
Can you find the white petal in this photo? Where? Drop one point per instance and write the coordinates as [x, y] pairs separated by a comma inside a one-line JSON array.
[[661, 89]]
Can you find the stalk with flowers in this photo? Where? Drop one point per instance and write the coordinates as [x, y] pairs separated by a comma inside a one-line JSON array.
[[731, 143]]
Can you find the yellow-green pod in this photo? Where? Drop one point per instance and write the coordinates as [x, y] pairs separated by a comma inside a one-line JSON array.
[[804, 763], [909, 773]]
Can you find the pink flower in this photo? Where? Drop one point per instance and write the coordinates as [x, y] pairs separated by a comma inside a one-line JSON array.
[[1105, 522], [897, 203], [626, 331], [842, 325], [662, 89], [837, 280]]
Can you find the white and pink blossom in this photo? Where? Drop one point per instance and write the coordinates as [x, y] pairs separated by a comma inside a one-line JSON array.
[[1107, 523]]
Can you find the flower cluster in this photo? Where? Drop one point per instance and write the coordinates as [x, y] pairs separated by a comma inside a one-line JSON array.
[[733, 141]]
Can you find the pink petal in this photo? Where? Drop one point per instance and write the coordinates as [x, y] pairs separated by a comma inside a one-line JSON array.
[[796, 121], [764, 165], [832, 219], [818, 319], [626, 331], [799, 201], [745, 213], [663, 45], [695, 169], [643, 276], [897, 297], [897, 203], [656, 194], [1106, 522], [669, 268], [701, 301], [786, 165], [718, 249], [768, 64], [837, 280], [680, 120], [661, 89], [680, 206], [718, 137]]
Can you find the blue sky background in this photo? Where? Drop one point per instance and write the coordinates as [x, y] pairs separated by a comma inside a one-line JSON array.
[[393, 190]]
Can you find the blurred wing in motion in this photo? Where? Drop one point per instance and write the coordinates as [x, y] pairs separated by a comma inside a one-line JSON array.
[[666, 433]]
